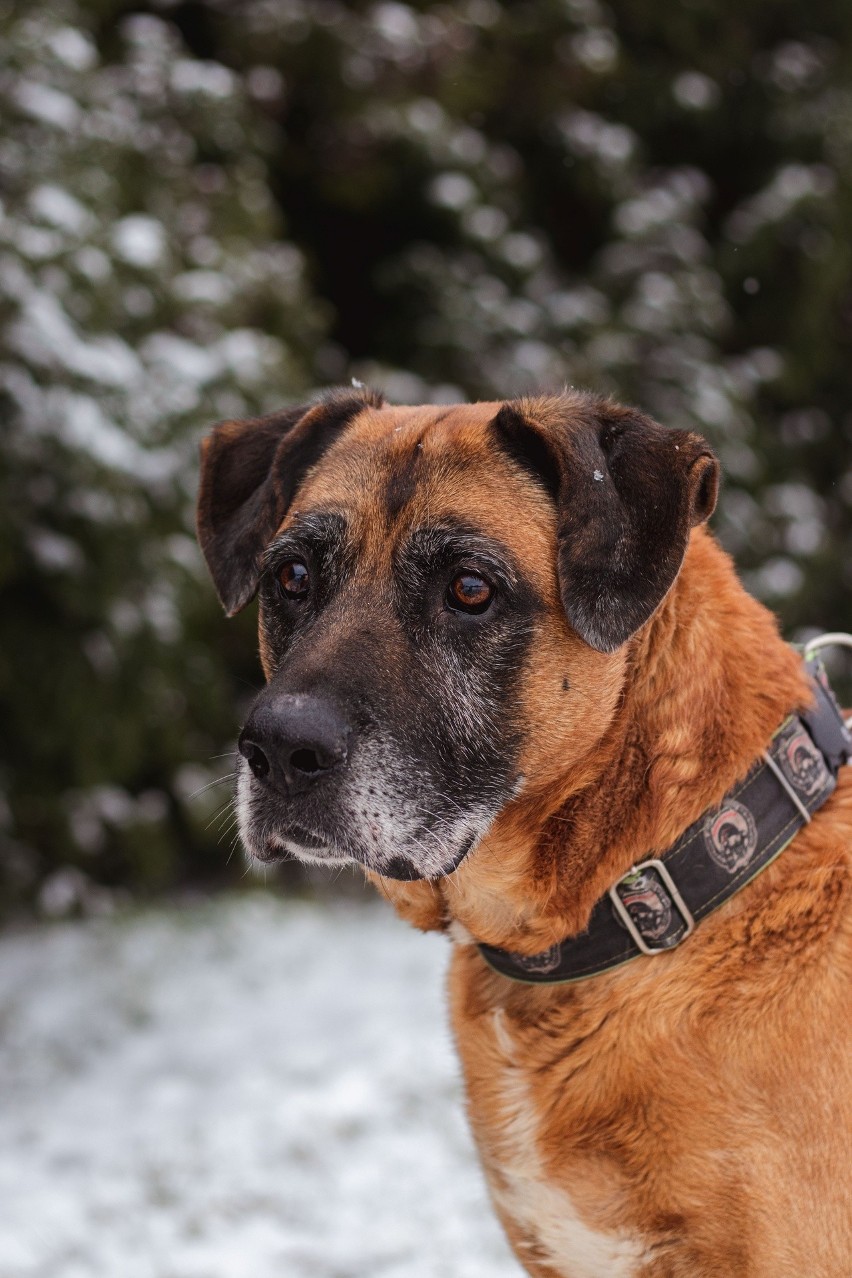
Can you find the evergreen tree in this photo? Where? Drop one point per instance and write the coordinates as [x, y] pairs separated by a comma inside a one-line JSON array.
[[143, 294]]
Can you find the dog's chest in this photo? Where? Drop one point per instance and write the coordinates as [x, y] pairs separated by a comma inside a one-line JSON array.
[[546, 1219]]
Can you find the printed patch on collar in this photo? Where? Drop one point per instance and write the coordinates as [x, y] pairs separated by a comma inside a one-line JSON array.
[[730, 836], [539, 964], [803, 764], [648, 904]]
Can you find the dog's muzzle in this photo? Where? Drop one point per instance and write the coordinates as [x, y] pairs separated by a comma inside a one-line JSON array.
[[311, 784]]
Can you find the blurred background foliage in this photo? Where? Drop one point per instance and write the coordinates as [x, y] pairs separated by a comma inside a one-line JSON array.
[[210, 208]]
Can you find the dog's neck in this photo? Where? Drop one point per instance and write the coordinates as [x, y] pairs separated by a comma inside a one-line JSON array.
[[707, 682]]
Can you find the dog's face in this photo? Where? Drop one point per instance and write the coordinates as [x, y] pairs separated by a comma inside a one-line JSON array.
[[445, 596]]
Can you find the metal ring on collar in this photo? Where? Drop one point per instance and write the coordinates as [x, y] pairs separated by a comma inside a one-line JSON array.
[[831, 639]]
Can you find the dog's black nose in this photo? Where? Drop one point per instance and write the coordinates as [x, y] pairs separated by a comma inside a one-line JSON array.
[[295, 740]]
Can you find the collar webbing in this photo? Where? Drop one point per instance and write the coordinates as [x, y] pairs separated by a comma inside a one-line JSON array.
[[657, 903]]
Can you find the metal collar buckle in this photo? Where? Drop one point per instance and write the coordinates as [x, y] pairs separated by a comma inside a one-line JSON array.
[[676, 899]]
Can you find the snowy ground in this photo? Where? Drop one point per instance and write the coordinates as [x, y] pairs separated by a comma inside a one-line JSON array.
[[243, 1089]]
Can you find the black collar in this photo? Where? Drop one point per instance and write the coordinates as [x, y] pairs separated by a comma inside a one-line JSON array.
[[657, 903]]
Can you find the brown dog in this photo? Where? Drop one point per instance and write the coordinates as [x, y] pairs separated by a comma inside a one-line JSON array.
[[504, 665]]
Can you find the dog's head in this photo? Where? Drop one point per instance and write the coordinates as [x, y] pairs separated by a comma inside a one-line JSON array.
[[446, 596]]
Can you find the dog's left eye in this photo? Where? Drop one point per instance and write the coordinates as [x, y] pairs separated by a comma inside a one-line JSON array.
[[469, 593]]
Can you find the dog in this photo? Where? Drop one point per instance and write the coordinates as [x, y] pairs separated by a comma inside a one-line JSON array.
[[508, 669]]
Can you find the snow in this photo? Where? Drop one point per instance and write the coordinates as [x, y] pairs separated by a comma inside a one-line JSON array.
[[73, 47], [204, 286], [790, 184], [695, 91], [139, 240], [396, 23], [54, 552], [47, 104], [241, 1089], [53, 204], [82, 424], [210, 78], [453, 190], [181, 358], [590, 135], [46, 334], [596, 48]]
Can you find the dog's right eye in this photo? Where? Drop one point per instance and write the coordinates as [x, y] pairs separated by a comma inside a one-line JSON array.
[[469, 593], [294, 580]]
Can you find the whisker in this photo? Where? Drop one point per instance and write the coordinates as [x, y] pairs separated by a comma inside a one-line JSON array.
[[234, 844], [228, 828], [219, 814], [229, 776]]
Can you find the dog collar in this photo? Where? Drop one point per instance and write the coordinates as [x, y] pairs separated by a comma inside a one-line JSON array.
[[657, 904]]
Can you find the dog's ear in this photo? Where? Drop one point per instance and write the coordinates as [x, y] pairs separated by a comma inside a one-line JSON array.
[[627, 492], [249, 473]]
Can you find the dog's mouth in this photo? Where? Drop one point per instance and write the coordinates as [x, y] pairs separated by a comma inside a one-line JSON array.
[[292, 841], [302, 845], [300, 837], [269, 842]]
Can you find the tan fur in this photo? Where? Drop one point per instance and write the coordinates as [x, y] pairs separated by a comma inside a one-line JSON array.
[[685, 1116]]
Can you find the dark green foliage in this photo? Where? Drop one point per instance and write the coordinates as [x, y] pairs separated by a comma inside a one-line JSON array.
[[474, 199]]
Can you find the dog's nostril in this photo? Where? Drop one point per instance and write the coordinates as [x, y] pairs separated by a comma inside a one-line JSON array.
[[256, 760], [305, 761]]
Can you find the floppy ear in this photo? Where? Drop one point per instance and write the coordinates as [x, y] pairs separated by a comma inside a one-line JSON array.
[[627, 491], [249, 472]]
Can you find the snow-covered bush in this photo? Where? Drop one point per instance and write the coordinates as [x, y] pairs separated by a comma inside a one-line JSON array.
[[144, 292], [478, 199]]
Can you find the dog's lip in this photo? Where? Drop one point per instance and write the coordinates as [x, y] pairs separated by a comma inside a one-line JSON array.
[[293, 840], [288, 839], [303, 838]]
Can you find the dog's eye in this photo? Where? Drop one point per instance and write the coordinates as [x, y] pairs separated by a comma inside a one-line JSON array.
[[294, 579], [469, 593]]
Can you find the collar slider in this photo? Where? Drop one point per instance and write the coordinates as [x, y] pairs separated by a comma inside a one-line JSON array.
[[645, 900]]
